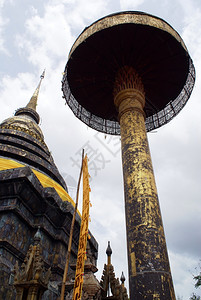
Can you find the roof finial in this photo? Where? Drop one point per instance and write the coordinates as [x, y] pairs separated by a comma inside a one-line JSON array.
[[109, 253], [37, 236], [122, 278], [33, 101]]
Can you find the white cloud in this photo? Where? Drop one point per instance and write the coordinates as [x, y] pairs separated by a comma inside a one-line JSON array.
[[130, 4], [186, 269], [2, 2], [50, 36], [33, 10], [46, 38], [45, 42], [3, 21], [15, 92], [83, 15]]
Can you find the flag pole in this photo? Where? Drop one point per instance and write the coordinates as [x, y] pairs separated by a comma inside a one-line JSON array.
[[71, 233], [81, 255]]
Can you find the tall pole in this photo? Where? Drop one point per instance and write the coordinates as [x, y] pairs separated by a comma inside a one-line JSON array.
[[71, 234], [149, 271], [139, 54]]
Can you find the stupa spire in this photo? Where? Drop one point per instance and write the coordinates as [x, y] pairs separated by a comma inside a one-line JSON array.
[[33, 101], [30, 109]]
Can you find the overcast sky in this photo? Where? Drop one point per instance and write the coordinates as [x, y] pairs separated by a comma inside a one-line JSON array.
[[39, 34]]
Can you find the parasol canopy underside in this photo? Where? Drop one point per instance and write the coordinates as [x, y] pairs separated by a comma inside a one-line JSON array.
[[160, 59]]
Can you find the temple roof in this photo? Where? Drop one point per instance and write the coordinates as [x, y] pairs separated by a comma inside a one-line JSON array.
[[21, 139]]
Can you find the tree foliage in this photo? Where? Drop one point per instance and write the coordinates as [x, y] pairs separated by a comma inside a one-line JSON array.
[[198, 280], [194, 297], [197, 285]]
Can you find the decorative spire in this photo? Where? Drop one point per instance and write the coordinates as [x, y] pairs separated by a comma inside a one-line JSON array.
[[122, 278], [109, 253], [37, 236], [33, 101], [30, 109]]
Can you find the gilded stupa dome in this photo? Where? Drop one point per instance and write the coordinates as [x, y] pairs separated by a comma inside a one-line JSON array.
[[26, 119], [25, 123], [22, 140]]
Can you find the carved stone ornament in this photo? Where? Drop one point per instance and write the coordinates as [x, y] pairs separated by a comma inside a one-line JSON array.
[[110, 282], [31, 278]]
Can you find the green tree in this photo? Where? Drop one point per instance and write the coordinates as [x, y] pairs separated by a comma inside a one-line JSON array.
[[198, 280], [197, 285], [194, 297]]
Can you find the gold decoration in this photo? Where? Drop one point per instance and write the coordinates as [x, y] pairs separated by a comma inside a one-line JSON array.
[[26, 119], [38, 137], [125, 18], [127, 78], [46, 181], [128, 91], [24, 124], [145, 235], [33, 101], [83, 234], [110, 282], [31, 278]]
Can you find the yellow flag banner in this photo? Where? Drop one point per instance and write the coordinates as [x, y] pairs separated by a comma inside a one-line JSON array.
[[83, 234]]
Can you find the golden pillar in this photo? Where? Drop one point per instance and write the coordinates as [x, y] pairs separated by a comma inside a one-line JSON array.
[[152, 50], [149, 270]]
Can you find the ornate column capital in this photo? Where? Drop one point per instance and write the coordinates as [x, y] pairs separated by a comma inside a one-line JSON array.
[[128, 100], [128, 91]]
